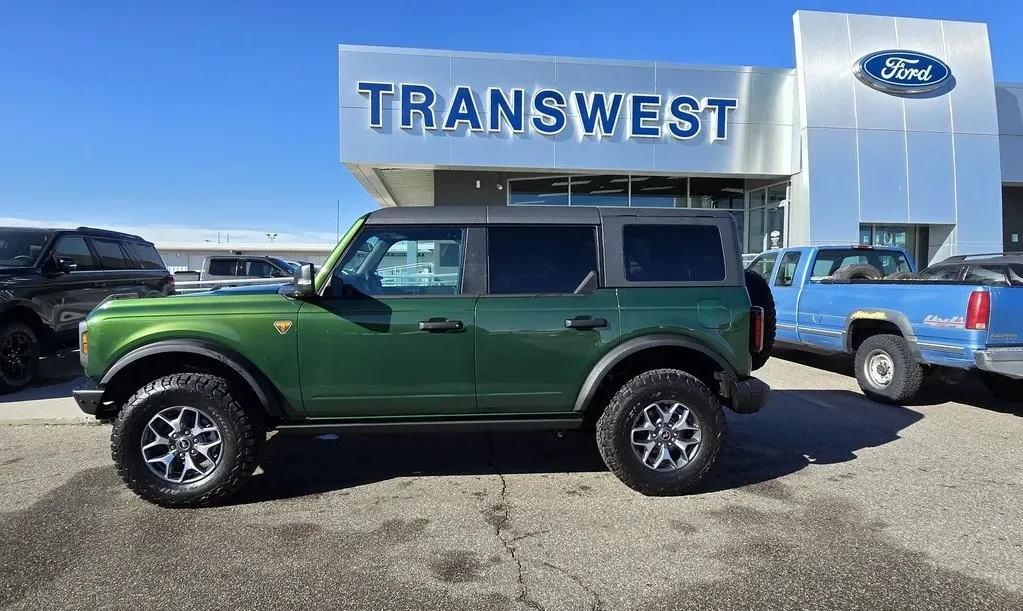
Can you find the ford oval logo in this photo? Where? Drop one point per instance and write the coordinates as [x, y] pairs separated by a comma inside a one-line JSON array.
[[906, 72]]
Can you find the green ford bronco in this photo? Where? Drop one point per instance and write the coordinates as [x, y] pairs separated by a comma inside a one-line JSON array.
[[639, 324]]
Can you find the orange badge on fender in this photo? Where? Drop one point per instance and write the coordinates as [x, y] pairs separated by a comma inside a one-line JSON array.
[[282, 326]]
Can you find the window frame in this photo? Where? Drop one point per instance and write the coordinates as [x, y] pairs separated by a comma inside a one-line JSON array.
[[597, 251], [129, 261], [613, 242], [55, 245], [235, 260], [473, 264], [778, 268]]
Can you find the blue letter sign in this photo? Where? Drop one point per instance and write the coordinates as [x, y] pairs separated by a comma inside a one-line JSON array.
[[593, 114]]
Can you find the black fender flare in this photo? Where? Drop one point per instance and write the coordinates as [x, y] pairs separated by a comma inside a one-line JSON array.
[[879, 315], [632, 346], [257, 381]]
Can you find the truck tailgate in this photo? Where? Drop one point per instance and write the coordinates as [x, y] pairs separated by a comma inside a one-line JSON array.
[[1006, 324]]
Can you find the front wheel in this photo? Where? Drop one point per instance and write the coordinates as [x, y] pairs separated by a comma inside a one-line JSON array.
[[19, 357], [185, 441], [661, 432], [886, 369]]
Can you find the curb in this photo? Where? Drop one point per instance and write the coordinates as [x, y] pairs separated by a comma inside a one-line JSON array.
[[50, 421]]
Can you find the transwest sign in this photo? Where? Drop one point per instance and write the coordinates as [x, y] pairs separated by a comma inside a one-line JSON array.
[[903, 72], [550, 111]]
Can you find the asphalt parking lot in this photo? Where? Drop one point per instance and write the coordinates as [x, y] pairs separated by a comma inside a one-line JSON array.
[[822, 500]]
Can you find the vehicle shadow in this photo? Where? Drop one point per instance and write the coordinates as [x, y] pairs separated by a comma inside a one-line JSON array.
[[57, 376], [935, 391], [796, 429]]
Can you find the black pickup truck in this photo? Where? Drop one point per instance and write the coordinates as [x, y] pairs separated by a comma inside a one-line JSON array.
[[50, 279]]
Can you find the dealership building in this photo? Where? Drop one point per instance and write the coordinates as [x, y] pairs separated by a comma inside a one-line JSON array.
[[889, 130]]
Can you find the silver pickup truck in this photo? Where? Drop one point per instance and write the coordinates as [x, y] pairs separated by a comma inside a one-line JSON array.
[[240, 267]]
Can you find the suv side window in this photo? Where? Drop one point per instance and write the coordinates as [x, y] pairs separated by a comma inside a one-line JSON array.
[[946, 272], [787, 269], [223, 267], [987, 275], [764, 265], [673, 253], [403, 261], [74, 247], [146, 256], [542, 260], [110, 254]]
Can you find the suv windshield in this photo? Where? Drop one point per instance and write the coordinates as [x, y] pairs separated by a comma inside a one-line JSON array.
[[21, 248]]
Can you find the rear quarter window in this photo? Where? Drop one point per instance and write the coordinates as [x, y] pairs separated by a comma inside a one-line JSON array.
[[146, 256], [673, 253]]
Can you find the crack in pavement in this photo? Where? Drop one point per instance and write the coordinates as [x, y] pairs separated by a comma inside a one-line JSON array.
[[499, 530], [597, 604]]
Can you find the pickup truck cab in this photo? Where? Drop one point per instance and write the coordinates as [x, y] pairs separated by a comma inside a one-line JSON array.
[[868, 301]]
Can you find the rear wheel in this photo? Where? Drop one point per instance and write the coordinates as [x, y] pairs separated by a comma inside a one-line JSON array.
[[19, 356], [661, 432], [185, 441], [760, 296], [886, 369]]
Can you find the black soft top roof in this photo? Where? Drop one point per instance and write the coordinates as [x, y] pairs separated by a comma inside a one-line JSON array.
[[525, 215]]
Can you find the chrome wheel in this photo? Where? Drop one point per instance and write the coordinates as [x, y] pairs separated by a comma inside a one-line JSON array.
[[666, 435], [880, 368], [182, 445]]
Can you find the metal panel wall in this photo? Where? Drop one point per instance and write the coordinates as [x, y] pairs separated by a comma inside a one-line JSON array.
[[1009, 98], [759, 140], [899, 158]]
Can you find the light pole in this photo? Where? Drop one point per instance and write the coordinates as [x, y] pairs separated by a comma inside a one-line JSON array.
[[271, 236]]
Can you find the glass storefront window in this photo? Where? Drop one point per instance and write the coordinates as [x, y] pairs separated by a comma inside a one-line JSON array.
[[726, 193], [658, 191], [599, 191], [538, 191]]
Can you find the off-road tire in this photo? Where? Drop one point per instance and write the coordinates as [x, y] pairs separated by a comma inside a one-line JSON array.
[[615, 425], [242, 431], [1003, 387], [857, 271], [760, 295], [907, 374], [7, 331]]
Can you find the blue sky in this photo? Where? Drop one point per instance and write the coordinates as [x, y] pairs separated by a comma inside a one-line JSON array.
[[223, 115]]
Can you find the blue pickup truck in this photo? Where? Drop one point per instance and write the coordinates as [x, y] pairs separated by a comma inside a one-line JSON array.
[[901, 325]]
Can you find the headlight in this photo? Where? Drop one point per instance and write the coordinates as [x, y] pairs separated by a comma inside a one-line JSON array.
[[83, 344]]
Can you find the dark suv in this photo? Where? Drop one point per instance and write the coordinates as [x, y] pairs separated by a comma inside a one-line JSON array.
[[994, 269], [50, 279], [638, 324]]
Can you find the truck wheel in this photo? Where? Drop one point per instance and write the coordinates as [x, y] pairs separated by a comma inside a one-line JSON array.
[[19, 356], [1003, 387], [760, 295], [887, 370], [184, 441], [857, 271], [661, 432]]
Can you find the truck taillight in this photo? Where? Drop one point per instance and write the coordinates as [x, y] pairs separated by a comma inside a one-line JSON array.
[[756, 329], [978, 310]]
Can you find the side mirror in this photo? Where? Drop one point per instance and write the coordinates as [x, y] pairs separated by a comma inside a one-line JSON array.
[[64, 265], [305, 281]]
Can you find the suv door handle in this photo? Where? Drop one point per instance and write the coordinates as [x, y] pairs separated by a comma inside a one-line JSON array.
[[441, 325], [585, 323]]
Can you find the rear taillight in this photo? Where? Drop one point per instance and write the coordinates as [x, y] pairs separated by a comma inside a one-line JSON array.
[[978, 311], [756, 329]]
